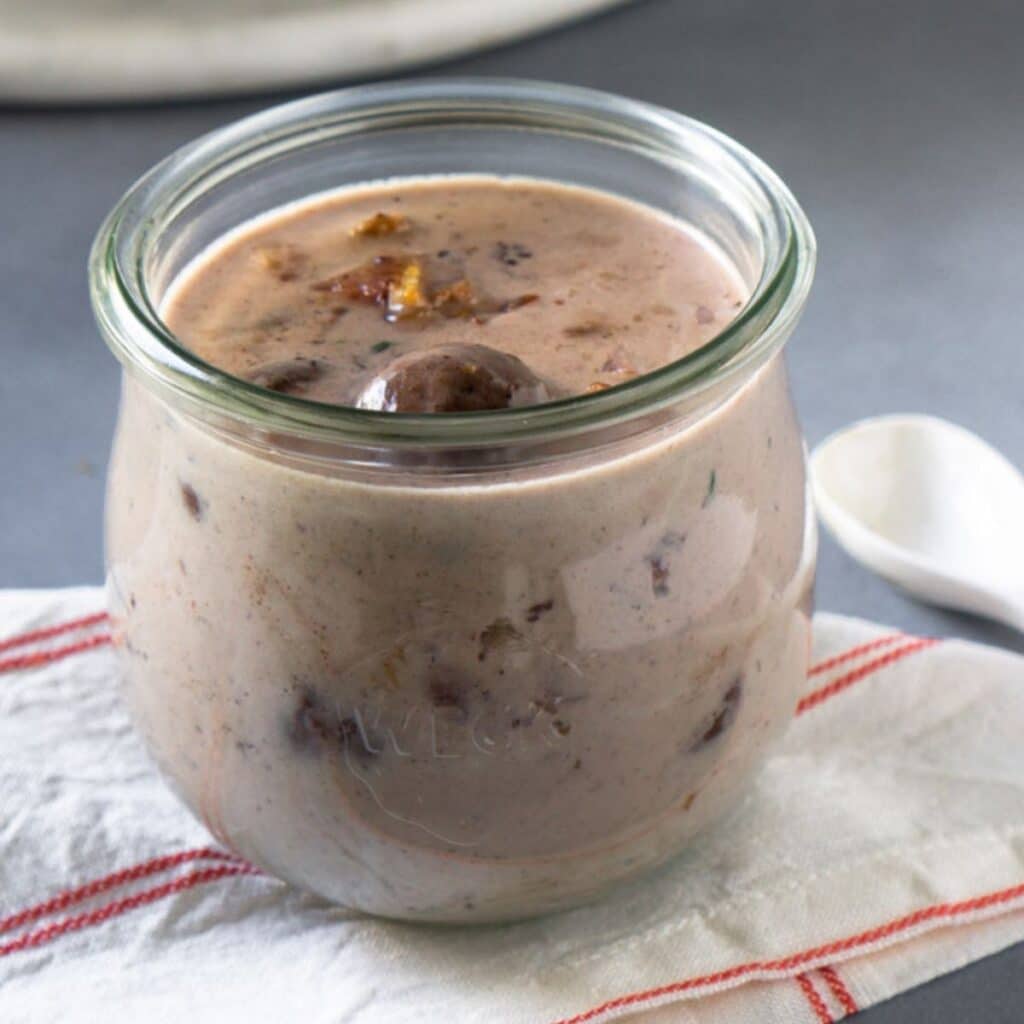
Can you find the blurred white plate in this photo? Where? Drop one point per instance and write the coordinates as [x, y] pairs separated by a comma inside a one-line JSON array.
[[81, 50]]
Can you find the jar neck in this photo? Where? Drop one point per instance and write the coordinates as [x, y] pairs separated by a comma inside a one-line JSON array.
[[422, 127], [536, 454]]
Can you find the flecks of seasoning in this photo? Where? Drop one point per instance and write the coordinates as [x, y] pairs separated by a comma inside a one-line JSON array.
[[390, 667], [446, 692], [688, 802], [131, 601], [352, 738], [659, 576], [313, 727], [618, 362], [671, 540], [705, 315], [499, 633], [710, 492], [284, 262], [304, 728], [517, 303], [332, 316], [194, 505], [381, 346], [135, 651], [590, 328], [286, 376], [511, 253], [723, 718], [381, 224], [577, 765], [547, 704], [535, 611]]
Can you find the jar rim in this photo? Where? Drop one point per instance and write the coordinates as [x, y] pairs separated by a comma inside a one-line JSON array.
[[135, 332]]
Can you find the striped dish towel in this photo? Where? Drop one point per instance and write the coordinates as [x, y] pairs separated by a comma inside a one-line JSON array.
[[882, 845]]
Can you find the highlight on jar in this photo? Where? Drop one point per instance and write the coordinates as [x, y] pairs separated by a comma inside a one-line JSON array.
[[458, 543]]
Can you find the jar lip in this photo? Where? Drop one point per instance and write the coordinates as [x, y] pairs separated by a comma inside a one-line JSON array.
[[138, 337]]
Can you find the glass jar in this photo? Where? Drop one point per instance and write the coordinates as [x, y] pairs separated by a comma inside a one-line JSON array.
[[467, 667]]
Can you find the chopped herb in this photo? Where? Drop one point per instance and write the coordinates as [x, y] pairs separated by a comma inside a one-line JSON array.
[[381, 346], [712, 484]]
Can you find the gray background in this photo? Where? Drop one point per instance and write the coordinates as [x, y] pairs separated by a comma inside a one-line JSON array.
[[898, 125]]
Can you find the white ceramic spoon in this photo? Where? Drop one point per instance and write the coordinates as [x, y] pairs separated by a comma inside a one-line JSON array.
[[929, 506]]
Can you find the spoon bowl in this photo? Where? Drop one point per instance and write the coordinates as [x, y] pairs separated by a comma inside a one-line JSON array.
[[929, 506]]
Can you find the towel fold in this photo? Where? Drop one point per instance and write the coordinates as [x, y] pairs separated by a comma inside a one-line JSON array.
[[882, 845]]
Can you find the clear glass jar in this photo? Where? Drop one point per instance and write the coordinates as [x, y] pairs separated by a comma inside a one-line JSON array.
[[467, 667]]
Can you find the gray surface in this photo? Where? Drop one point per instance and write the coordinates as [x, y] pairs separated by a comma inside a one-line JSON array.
[[899, 127]]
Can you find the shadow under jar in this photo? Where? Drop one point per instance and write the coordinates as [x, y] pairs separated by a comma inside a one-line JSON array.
[[461, 667]]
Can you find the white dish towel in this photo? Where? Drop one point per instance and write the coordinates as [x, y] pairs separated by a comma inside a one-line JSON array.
[[883, 845]]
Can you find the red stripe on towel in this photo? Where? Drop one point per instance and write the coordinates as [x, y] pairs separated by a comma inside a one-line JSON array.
[[72, 897], [814, 1000], [937, 915], [35, 635], [829, 690], [838, 989], [37, 658], [29, 940], [856, 652]]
